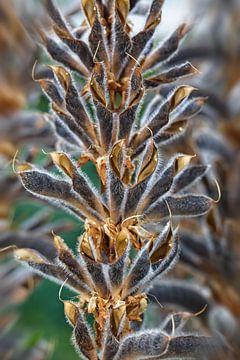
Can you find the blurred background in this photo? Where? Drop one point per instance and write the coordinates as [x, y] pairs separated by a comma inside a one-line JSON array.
[[32, 324]]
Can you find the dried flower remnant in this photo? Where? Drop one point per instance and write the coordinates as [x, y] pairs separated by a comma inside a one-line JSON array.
[[128, 239]]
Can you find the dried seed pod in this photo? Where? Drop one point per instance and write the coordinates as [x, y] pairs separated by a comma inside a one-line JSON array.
[[83, 340]]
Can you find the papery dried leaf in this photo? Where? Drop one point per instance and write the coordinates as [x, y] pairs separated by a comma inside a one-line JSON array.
[[118, 316], [115, 157], [83, 339], [62, 75], [63, 161], [149, 163], [97, 83], [162, 245], [24, 167], [29, 255], [154, 13], [167, 49], [89, 9], [180, 94], [172, 251], [122, 240], [136, 90], [123, 7], [181, 162]]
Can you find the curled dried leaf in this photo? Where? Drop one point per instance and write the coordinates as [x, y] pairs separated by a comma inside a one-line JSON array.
[[63, 161], [115, 157], [161, 250], [122, 241], [122, 7], [62, 75], [71, 311], [89, 9], [180, 94], [97, 84], [150, 162], [118, 312], [181, 162]]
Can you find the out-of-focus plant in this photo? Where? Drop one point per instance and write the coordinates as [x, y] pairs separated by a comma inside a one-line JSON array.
[[210, 248], [21, 129], [116, 122]]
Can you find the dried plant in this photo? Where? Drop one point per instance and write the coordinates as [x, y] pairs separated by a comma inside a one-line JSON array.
[[130, 235]]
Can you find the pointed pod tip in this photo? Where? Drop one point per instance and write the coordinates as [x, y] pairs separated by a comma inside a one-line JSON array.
[[24, 167], [185, 28], [58, 242]]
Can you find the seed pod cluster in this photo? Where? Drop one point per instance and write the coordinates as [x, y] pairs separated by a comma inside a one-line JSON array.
[[130, 236]]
